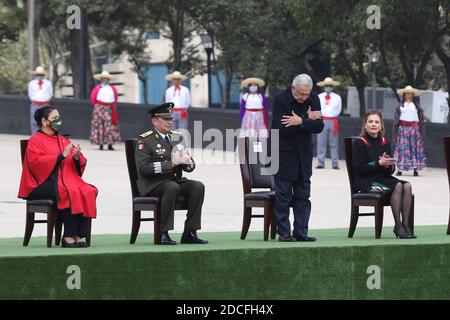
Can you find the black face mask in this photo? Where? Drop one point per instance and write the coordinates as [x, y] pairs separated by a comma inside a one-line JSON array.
[[56, 124]]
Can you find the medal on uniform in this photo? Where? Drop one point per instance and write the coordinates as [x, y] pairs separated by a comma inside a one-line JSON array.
[[141, 146]]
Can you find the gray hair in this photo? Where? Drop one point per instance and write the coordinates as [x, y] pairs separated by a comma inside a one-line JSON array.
[[302, 80]]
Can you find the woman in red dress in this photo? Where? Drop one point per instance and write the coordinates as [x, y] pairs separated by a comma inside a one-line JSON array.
[[52, 169]]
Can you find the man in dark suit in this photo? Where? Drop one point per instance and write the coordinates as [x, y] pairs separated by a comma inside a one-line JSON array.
[[296, 114], [160, 163]]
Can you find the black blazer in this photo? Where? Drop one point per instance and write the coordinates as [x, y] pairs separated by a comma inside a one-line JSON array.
[[366, 168], [295, 142]]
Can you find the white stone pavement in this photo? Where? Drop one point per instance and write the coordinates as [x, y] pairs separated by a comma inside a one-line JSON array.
[[222, 209]]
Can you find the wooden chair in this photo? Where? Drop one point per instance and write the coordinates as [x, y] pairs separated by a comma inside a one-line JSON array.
[[252, 179], [376, 200], [447, 164], [41, 206], [144, 203]]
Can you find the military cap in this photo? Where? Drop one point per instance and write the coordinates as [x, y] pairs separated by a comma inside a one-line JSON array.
[[164, 110]]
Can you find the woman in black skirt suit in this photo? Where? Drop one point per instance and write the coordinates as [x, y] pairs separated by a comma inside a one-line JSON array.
[[373, 168]]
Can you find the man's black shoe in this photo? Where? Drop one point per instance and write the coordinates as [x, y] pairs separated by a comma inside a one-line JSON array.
[[286, 239], [192, 238], [82, 244], [166, 239], [305, 238], [336, 167], [320, 167], [65, 244]]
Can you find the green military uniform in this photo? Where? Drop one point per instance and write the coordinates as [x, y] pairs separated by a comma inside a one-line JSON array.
[[156, 177]]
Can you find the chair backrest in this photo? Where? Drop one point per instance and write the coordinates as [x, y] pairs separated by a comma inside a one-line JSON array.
[[23, 148], [348, 148], [245, 175], [130, 148], [447, 156], [254, 159]]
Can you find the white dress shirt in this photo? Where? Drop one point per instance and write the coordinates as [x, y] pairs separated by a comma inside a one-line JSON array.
[[408, 112], [330, 108], [181, 98], [44, 93], [253, 101], [106, 94]]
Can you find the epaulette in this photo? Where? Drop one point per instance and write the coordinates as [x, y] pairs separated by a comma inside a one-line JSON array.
[[146, 134]]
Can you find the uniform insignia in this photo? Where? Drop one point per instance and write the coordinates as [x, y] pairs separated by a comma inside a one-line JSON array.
[[161, 151], [141, 146], [158, 145], [146, 134]]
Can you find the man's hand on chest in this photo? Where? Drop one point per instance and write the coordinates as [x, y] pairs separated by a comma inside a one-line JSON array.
[[293, 120]]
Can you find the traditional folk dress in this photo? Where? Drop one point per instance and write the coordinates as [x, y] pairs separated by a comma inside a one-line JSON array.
[[40, 92], [331, 104], [105, 119], [409, 130], [46, 174], [181, 98], [254, 109]]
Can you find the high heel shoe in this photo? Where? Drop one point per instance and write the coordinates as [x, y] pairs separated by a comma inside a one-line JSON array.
[[408, 231], [401, 233], [65, 244]]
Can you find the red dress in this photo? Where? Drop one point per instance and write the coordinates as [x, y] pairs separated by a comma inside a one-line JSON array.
[[40, 159]]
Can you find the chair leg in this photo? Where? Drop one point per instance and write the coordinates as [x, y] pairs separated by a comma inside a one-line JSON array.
[[135, 226], [411, 216], [58, 229], [246, 222], [89, 232], [448, 227], [379, 208], [29, 226], [267, 219], [157, 225], [273, 224], [353, 220], [50, 226]]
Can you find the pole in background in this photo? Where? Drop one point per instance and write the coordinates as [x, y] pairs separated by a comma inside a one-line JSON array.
[[207, 44], [82, 56], [31, 43], [374, 58]]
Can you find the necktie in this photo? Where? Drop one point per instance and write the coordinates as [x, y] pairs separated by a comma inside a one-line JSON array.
[[327, 99], [177, 88], [40, 82], [168, 141]]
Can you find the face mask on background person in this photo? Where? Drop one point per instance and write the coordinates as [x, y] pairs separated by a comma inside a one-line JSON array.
[[253, 89], [40, 77], [104, 82], [56, 124], [328, 89]]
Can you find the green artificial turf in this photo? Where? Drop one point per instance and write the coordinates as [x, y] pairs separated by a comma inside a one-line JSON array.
[[334, 267]]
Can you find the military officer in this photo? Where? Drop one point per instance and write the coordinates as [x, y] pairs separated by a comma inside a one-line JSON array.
[[159, 163]]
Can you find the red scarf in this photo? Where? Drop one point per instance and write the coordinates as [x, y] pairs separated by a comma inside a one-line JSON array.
[[177, 88]]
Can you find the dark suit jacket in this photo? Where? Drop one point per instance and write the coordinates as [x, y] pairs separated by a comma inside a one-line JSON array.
[[154, 162], [295, 143]]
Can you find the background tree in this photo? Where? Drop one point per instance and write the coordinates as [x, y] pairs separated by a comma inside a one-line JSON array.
[[344, 31], [12, 20]]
